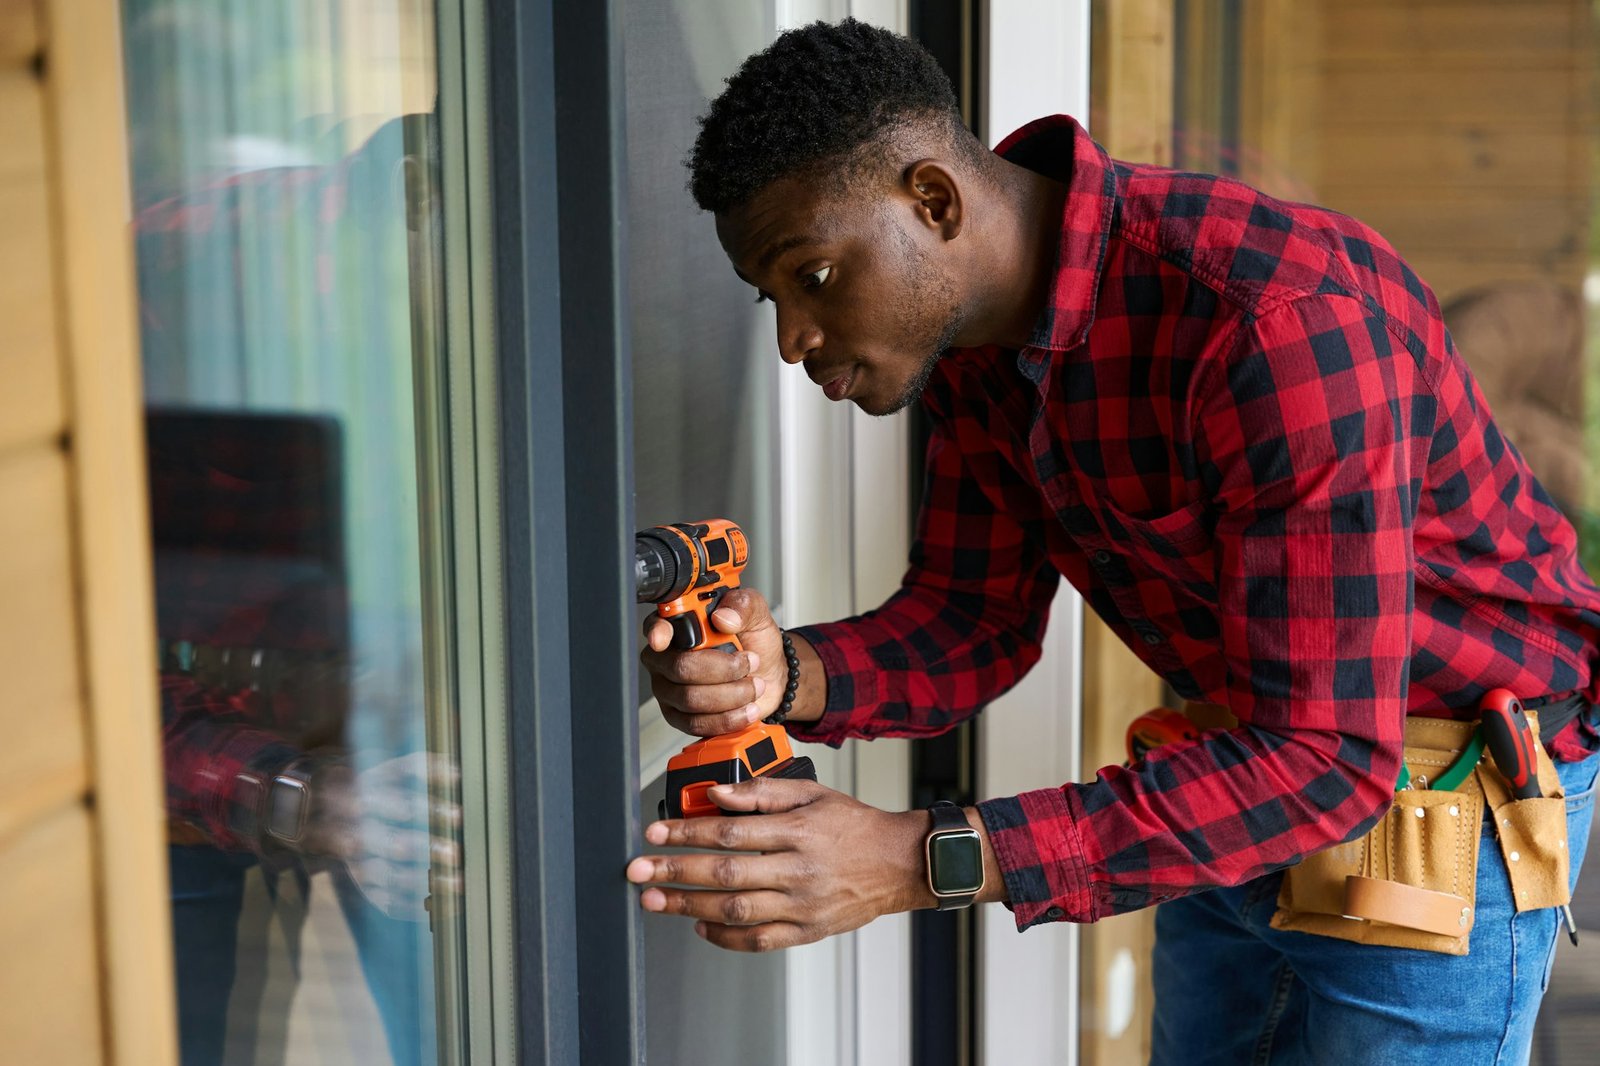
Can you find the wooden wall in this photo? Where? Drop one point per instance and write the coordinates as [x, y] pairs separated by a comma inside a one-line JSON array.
[[1462, 130], [85, 973]]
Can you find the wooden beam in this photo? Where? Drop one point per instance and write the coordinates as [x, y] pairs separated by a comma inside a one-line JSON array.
[[95, 280]]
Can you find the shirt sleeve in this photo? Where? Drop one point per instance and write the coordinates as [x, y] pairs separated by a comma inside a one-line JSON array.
[[1312, 438], [963, 628], [207, 740]]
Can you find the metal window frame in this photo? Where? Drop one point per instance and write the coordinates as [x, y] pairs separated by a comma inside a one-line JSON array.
[[555, 107]]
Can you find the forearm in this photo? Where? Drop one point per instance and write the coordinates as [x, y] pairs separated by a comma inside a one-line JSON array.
[[924, 662]]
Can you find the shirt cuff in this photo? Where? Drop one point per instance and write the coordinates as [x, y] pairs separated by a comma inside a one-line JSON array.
[[852, 683], [1036, 841]]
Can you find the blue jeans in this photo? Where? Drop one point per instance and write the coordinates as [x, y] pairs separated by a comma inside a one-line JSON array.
[[1229, 989], [208, 888]]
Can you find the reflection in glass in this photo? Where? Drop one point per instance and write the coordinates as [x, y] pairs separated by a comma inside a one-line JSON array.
[[284, 168]]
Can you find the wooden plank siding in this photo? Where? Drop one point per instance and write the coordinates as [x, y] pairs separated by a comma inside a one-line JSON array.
[[50, 997], [85, 970], [1463, 132]]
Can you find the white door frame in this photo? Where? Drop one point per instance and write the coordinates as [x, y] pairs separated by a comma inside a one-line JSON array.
[[1036, 62], [846, 531]]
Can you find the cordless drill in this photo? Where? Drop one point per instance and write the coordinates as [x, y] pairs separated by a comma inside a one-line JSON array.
[[686, 569]]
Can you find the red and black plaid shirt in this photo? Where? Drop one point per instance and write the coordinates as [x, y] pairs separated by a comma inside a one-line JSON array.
[[1242, 432]]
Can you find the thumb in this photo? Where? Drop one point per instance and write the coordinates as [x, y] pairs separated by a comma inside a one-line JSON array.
[[768, 795], [742, 611]]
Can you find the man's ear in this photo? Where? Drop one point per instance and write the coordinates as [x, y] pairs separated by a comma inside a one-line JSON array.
[[935, 196]]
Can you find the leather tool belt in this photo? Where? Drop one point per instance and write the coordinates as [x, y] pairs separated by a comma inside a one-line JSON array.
[[1411, 882]]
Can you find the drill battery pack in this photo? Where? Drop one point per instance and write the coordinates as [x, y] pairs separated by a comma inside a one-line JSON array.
[[758, 751]]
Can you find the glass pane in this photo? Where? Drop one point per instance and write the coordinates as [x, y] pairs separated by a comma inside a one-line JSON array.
[[286, 216], [704, 354]]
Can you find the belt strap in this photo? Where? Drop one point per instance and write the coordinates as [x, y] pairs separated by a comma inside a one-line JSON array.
[[1443, 913], [1555, 714]]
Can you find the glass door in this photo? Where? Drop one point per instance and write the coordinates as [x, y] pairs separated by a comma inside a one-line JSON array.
[[288, 204]]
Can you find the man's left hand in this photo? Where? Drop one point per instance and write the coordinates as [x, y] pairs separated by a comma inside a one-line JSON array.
[[815, 862]]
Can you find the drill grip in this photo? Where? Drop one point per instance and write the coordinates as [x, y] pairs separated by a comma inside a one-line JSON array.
[[692, 628]]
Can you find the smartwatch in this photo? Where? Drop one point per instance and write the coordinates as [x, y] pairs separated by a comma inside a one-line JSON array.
[[288, 806], [955, 857]]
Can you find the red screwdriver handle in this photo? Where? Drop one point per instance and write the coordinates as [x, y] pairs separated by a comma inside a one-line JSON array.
[[1511, 742]]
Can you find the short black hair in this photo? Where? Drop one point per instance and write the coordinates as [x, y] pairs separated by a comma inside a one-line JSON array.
[[816, 94]]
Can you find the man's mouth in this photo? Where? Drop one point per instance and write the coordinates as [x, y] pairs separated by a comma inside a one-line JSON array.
[[840, 385]]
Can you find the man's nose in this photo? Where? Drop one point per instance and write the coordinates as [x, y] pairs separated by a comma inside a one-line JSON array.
[[798, 336]]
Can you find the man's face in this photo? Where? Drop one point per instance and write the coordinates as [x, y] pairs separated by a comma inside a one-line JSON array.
[[864, 301]]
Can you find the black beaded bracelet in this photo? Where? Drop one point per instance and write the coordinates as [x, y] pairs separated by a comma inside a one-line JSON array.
[[793, 662]]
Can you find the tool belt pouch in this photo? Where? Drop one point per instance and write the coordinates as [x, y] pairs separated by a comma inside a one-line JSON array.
[[1532, 835], [1410, 882]]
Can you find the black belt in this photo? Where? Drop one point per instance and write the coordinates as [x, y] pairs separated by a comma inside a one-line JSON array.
[[1555, 714]]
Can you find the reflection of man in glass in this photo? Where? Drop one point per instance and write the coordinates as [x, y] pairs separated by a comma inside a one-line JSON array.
[[1239, 427], [286, 570]]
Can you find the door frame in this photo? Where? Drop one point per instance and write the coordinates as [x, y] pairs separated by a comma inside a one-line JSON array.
[[1035, 62]]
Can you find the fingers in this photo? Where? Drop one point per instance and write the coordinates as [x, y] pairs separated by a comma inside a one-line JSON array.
[[709, 699], [771, 936], [742, 610], [769, 795], [724, 908], [729, 834], [713, 725], [729, 872], [657, 633], [708, 667]]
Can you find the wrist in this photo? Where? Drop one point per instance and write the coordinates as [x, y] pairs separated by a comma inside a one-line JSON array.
[[910, 849], [811, 695], [994, 881]]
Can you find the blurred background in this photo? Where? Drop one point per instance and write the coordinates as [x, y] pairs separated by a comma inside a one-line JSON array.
[[1465, 132]]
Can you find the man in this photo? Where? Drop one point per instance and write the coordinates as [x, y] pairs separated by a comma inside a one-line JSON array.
[[1239, 427]]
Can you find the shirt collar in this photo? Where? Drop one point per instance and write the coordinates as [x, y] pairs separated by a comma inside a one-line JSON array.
[[1058, 147]]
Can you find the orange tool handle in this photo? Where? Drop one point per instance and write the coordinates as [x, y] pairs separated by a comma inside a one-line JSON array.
[[1155, 728], [690, 618]]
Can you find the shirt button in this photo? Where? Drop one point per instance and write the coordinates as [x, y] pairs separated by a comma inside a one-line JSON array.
[[1152, 638], [1055, 914], [1102, 558]]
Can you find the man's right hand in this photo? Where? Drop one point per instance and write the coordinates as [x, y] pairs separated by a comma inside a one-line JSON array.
[[709, 692]]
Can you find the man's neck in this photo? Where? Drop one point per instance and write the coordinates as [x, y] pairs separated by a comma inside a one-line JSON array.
[[1016, 267]]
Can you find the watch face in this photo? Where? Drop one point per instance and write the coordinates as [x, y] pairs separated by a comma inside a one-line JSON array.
[[287, 809], [955, 862]]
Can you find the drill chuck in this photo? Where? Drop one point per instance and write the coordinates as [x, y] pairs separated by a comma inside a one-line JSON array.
[[669, 561], [657, 564]]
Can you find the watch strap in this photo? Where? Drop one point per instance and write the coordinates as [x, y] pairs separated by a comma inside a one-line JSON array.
[[947, 815]]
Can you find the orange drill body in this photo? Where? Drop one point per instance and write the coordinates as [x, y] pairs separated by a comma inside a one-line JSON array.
[[686, 569]]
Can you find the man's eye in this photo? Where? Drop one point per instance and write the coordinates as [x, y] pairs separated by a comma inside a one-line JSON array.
[[815, 279]]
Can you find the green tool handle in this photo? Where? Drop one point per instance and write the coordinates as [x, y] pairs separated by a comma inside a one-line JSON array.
[[1457, 771]]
